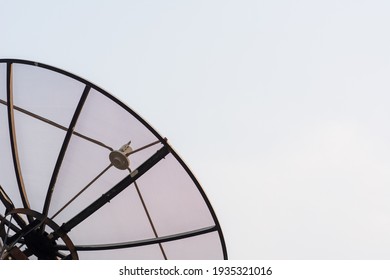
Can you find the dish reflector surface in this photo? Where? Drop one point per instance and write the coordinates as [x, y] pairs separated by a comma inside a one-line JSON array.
[[70, 198]]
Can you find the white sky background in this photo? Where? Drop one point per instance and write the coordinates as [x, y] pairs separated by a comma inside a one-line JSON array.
[[280, 108]]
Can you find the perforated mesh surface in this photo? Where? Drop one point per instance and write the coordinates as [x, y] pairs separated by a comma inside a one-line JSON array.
[[62, 146]]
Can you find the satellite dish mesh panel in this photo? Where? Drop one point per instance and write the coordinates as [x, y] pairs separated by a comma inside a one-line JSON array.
[[83, 176]]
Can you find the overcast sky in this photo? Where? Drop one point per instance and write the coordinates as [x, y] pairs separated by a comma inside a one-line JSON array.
[[280, 108]]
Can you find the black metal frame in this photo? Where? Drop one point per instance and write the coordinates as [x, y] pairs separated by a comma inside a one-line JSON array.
[[39, 220], [116, 189], [9, 206], [9, 224], [145, 242], [63, 149], [12, 135]]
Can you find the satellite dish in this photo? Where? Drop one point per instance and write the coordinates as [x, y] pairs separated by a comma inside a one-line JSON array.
[[84, 177]]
